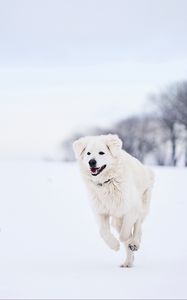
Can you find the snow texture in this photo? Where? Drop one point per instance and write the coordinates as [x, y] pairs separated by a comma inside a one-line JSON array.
[[50, 245]]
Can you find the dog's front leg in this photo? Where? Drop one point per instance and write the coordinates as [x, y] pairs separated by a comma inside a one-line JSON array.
[[127, 237], [106, 234], [129, 221]]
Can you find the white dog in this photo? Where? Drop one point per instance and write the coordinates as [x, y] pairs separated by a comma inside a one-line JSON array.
[[120, 188]]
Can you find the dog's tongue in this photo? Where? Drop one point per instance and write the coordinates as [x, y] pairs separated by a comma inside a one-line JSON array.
[[94, 170]]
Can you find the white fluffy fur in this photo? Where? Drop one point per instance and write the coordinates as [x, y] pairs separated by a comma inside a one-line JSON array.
[[121, 191]]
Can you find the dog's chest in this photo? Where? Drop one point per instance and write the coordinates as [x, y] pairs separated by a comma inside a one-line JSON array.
[[109, 199]]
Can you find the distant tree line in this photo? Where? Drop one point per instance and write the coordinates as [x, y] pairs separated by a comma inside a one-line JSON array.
[[159, 137]]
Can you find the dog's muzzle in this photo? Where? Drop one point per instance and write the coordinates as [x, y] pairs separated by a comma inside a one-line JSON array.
[[96, 171]]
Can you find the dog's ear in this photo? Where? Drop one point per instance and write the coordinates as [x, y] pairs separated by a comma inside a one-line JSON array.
[[79, 147], [114, 144]]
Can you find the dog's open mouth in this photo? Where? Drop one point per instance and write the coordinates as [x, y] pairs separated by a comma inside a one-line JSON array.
[[97, 171]]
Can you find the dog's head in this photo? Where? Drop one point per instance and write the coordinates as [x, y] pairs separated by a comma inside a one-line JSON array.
[[97, 153]]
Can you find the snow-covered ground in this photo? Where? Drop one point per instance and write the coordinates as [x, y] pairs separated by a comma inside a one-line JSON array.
[[50, 245]]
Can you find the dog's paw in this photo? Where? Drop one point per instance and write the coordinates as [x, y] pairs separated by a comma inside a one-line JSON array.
[[127, 264], [133, 246]]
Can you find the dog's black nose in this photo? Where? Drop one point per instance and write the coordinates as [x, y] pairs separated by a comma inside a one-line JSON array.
[[92, 162]]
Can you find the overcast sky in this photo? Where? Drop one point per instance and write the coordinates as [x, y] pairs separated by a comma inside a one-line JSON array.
[[65, 65]]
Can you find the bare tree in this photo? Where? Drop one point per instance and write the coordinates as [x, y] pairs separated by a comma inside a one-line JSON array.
[[164, 103], [171, 108], [142, 137], [138, 135], [181, 108], [161, 135]]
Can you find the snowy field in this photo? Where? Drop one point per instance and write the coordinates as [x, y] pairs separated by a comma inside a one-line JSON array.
[[50, 245]]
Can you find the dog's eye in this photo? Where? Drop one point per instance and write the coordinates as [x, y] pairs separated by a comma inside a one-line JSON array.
[[88, 153], [101, 153]]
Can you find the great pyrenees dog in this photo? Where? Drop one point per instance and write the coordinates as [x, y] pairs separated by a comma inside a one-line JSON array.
[[120, 187]]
